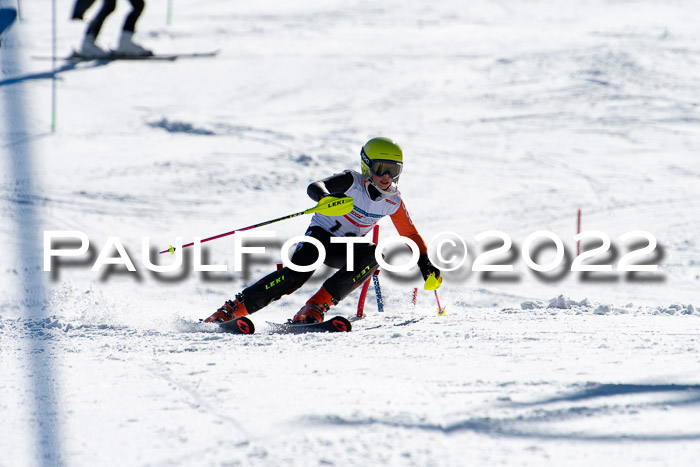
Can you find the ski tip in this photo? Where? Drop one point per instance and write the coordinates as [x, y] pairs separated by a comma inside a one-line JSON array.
[[240, 325], [341, 324]]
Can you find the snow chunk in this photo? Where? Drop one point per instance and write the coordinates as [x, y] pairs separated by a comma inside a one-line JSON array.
[[669, 310], [675, 309], [530, 305], [51, 323], [561, 302]]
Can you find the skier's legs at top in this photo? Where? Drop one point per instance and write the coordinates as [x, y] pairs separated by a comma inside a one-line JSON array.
[[95, 25], [88, 47], [136, 10], [126, 44]]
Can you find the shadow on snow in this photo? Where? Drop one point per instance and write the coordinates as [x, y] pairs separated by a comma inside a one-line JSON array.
[[532, 425], [53, 73]]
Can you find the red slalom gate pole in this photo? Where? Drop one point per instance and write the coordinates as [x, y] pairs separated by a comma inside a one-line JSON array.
[[361, 303]]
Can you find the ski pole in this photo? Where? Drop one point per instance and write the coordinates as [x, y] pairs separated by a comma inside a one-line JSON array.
[[375, 279], [375, 276], [441, 310], [433, 283], [328, 206]]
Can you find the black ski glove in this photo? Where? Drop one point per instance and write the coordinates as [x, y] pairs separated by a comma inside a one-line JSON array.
[[426, 267]]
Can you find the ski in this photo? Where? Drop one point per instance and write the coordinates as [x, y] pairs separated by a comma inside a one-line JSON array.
[[76, 57], [240, 325], [336, 324]]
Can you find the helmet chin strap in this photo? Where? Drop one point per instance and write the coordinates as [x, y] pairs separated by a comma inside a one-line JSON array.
[[390, 191]]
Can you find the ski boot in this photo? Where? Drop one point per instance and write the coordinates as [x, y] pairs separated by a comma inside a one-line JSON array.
[[128, 48], [315, 308], [310, 313], [232, 309], [89, 49]]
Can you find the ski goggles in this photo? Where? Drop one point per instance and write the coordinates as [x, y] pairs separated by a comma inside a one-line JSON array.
[[381, 167]]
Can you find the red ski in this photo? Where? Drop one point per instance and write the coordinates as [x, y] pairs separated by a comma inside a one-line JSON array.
[[240, 325], [336, 324]]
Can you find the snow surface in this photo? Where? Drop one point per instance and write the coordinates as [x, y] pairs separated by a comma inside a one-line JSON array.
[[512, 116]]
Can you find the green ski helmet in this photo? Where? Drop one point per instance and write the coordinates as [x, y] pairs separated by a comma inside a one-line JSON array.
[[379, 156]]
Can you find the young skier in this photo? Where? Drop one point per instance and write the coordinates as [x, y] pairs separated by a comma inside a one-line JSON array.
[[126, 46], [375, 195]]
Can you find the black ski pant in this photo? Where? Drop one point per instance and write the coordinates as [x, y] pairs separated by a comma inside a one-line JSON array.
[[108, 7], [339, 285]]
